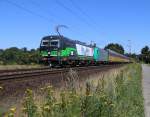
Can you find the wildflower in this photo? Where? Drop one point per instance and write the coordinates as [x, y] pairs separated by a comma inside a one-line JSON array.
[[105, 103], [49, 87], [129, 78], [76, 96], [10, 115], [13, 110], [90, 95], [29, 91], [113, 105], [46, 108], [1, 88], [69, 101], [103, 96], [24, 109], [57, 103], [70, 92]]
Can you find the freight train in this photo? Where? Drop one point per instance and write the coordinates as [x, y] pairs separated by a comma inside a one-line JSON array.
[[61, 51]]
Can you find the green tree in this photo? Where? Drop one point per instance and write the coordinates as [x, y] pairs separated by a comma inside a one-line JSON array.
[[11, 55], [24, 49], [15, 55], [1, 53], [34, 56], [145, 50], [115, 47], [145, 54]]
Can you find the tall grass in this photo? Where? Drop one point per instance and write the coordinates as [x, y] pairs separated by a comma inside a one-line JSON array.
[[115, 96]]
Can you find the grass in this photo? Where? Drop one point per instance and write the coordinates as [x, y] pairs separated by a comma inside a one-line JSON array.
[[7, 67], [112, 96]]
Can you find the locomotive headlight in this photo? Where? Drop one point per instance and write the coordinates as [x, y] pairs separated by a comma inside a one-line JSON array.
[[49, 53], [72, 53]]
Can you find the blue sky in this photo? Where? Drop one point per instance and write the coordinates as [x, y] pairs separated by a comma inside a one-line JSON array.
[[24, 22]]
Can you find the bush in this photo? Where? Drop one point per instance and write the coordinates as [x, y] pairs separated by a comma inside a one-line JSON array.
[[15, 55]]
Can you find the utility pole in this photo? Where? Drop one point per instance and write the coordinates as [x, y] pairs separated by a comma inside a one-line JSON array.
[[129, 46], [60, 37]]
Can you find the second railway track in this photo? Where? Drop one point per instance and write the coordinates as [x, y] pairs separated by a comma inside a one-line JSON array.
[[27, 73]]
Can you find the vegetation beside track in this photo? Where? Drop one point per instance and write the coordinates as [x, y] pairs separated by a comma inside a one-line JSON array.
[[115, 96], [16, 56], [13, 67]]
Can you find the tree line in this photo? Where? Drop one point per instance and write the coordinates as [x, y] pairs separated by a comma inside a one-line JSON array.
[[24, 56], [21, 56], [145, 54]]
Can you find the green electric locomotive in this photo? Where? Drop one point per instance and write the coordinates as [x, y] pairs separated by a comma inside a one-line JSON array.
[[61, 51]]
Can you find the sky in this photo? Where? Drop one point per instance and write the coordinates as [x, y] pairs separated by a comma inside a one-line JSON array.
[[23, 23]]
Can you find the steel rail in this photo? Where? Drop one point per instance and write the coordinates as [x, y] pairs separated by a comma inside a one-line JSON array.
[[39, 72]]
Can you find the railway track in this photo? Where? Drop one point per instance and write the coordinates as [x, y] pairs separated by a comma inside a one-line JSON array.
[[28, 73]]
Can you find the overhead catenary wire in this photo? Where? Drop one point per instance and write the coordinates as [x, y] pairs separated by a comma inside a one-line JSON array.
[[37, 14], [29, 11], [74, 13], [35, 3], [79, 17], [83, 12]]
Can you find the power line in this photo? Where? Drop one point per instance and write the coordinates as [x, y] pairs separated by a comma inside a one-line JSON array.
[[35, 3], [73, 13], [34, 13], [82, 12], [29, 11], [129, 46], [43, 8]]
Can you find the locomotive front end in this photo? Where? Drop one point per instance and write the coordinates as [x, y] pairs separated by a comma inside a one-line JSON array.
[[50, 50]]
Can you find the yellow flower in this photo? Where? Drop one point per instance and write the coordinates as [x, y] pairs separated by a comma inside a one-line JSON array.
[[13, 110], [29, 91], [47, 108], [113, 105], [10, 115], [49, 87], [57, 103], [105, 103], [76, 96], [70, 92], [1, 88], [24, 109], [129, 78], [90, 95], [69, 101]]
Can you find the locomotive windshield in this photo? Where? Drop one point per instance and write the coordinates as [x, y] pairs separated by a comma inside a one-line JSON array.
[[45, 43], [54, 43], [51, 43]]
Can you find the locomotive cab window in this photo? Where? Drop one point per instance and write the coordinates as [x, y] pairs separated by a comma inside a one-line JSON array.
[[54, 43], [44, 43]]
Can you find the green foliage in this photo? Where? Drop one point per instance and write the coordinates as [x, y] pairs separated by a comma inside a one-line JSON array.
[[48, 106], [129, 99], [29, 106], [15, 55], [119, 96], [115, 47], [145, 50], [145, 55]]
